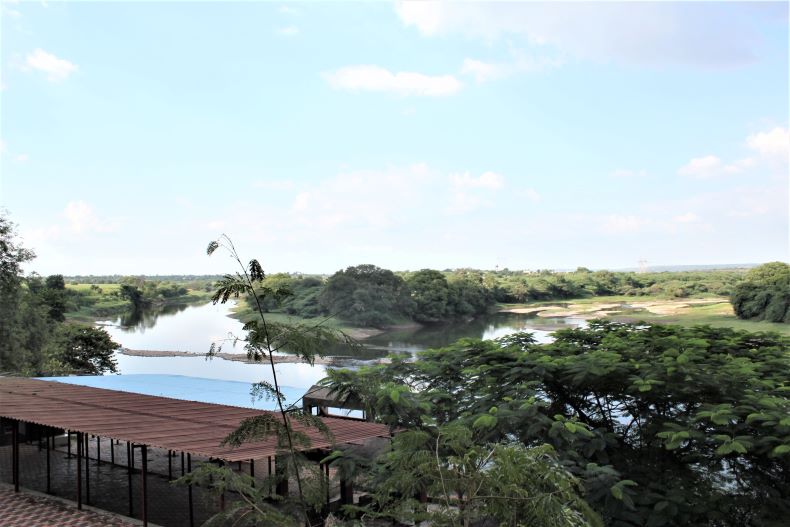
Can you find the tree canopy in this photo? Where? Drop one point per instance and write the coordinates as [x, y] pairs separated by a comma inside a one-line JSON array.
[[663, 425], [366, 295], [34, 339], [764, 294]]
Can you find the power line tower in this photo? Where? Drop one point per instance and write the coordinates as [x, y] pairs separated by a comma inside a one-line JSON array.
[[642, 266]]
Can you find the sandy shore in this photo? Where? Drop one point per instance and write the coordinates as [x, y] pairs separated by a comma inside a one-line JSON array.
[[238, 357], [604, 309]]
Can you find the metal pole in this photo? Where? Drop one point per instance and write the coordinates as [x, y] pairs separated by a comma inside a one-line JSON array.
[[98, 450], [182, 463], [69, 443], [144, 452], [222, 496], [15, 454], [79, 470], [87, 470], [252, 472], [191, 512], [48, 470], [129, 474], [169, 464], [326, 468]]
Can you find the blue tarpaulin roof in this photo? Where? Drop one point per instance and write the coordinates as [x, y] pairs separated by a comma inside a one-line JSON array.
[[233, 393]]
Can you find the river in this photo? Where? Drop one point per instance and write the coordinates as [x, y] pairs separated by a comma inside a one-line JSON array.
[[194, 328]]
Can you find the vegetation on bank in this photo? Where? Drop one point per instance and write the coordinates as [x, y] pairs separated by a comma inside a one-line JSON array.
[[764, 294], [661, 425], [368, 296], [35, 338], [89, 301]]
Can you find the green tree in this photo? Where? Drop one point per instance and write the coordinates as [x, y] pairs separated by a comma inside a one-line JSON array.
[[431, 295], [664, 425], [366, 295], [471, 482], [764, 294], [25, 328], [85, 349]]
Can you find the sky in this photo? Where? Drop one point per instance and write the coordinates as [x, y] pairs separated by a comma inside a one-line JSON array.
[[407, 135]]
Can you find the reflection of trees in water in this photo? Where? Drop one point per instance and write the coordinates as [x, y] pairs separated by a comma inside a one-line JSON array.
[[440, 335], [146, 317]]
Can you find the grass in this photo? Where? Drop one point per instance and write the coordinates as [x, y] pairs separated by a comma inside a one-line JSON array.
[[105, 288]]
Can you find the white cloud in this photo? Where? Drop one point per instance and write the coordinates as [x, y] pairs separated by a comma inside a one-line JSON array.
[[82, 219], [769, 147], [532, 195], [775, 142], [469, 193], [487, 180], [22, 158], [688, 217], [404, 83], [706, 166], [288, 31], [55, 68], [632, 32]]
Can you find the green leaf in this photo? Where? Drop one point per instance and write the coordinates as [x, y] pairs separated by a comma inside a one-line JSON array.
[[485, 421], [780, 450]]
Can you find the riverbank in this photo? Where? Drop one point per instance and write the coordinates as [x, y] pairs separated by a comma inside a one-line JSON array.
[[108, 306], [245, 314], [236, 357], [712, 311]]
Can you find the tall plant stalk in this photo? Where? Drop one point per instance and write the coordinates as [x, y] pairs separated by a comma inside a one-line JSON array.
[[234, 286]]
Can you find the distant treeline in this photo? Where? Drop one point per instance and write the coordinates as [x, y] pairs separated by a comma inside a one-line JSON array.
[[101, 299], [371, 296], [119, 278]]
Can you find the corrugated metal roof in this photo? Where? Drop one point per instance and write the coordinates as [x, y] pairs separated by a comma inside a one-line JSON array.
[[172, 424]]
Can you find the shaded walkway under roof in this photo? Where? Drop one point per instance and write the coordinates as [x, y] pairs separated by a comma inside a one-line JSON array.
[[35, 410], [171, 424]]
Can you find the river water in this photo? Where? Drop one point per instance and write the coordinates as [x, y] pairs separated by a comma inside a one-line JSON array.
[[195, 328]]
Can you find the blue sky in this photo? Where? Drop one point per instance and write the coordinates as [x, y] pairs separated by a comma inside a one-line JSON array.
[[407, 135]]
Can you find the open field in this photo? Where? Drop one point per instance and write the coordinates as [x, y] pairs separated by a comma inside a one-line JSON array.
[[86, 288], [712, 311]]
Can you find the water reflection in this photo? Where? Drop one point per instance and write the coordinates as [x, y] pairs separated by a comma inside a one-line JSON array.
[[147, 317], [195, 328], [412, 340]]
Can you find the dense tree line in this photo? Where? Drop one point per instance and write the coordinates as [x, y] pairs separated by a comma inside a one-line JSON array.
[[764, 294], [34, 339], [662, 425], [367, 295]]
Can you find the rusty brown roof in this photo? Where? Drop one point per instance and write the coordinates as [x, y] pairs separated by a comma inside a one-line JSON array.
[[162, 422]]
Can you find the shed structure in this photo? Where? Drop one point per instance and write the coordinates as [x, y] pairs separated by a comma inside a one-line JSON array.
[[142, 421]]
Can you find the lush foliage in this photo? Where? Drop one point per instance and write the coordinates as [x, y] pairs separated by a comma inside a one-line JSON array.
[[764, 294], [85, 349], [366, 295], [33, 336], [664, 425], [470, 482]]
